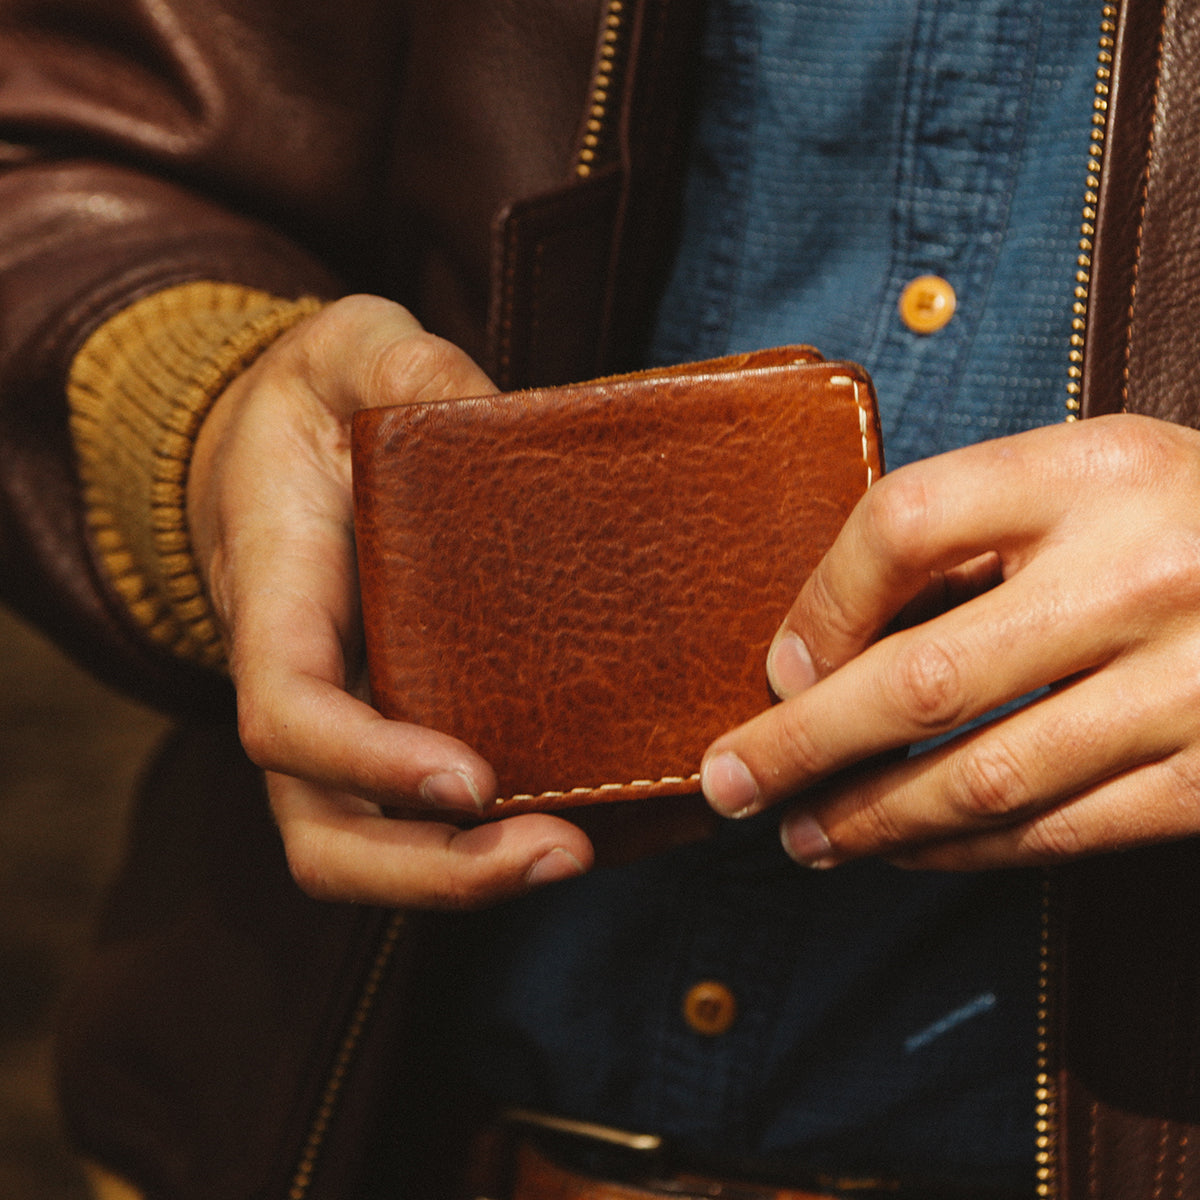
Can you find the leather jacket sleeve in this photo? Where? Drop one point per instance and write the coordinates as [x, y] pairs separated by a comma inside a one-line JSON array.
[[301, 150], [143, 145]]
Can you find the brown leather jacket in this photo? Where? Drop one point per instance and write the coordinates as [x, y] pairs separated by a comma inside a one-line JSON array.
[[508, 170]]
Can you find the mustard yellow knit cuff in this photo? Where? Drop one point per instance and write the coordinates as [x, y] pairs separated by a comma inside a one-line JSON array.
[[138, 390]]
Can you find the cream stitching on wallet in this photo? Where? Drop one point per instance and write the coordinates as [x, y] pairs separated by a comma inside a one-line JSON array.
[[640, 784], [864, 417]]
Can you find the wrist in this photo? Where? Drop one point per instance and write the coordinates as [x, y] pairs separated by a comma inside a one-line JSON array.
[[139, 390]]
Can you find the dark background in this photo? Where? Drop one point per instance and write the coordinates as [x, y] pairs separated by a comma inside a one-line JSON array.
[[70, 755]]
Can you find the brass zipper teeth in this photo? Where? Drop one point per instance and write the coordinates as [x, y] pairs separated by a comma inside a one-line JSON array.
[[334, 1083], [1047, 1110], [600, 94], [1087, 228], [1047, 1078]]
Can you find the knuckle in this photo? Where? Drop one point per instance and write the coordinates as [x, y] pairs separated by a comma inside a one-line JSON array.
[[1141, 450], [821, 610], [797, 748], [1054, 837], [1185, 773], [991, 784], [927, 684], [879, 827], [333, 324], [899, 516], [1169, 567], [327, 332], [422, 365], [457, 891], [871, 818]]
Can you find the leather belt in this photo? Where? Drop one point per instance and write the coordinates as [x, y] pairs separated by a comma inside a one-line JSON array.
[[553, 1158], [537, 1177]]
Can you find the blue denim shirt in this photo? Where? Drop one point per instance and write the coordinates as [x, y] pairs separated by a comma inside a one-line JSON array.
[[886, 1020]]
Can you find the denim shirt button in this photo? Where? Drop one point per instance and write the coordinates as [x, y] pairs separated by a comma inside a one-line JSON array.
[[709, 1008], [927, 304]]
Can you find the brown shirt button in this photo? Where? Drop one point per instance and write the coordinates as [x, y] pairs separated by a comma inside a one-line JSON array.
[[709, 1008], [927, 303]]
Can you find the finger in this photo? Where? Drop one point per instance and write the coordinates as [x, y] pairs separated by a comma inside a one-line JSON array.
[[790, 666], [296, 713], [928, 518], [364, 352], [330, 737], [1152, 803], [289, 589], [338, 849], [293, 627], [948, 589], [915, 684], [1064, 745], [288, 660]]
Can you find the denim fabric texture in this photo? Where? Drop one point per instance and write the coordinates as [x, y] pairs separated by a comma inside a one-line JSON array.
[[886, 1020], [845, 148]]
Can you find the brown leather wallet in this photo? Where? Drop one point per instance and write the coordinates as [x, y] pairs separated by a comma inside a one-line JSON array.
[[582, 582]]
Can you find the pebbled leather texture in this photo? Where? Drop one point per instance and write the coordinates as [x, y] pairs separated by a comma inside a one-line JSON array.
[[582, 583], [1116, 205], [1165, 306]]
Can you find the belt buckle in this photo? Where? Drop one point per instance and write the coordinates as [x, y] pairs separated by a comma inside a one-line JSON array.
[[571, 1149], [649, 1144], [636, 1165]]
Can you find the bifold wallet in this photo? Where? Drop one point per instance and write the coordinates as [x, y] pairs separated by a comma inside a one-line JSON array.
[[582, 582]]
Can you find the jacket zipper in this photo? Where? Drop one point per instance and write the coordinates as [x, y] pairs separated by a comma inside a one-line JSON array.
[[1047, 1076], [335, 1081], [1047, 1099], [605, 81], [1091, 198]]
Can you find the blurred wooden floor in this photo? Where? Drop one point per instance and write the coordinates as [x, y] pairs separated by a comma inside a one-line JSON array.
[[70, 753]]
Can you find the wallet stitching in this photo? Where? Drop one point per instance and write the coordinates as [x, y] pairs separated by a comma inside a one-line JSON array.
[[864, 426], [639, 784], [864, 418]]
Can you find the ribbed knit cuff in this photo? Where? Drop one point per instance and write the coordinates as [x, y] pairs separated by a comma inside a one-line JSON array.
[[139, 389]]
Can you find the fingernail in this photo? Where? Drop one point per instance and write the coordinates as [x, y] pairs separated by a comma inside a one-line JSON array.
[[728, 785], [451, 789], [554, 867], [805, 841], [790, 666]]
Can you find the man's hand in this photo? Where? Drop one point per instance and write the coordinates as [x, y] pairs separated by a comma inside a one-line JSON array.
[[269, 505], [1066, 559]]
